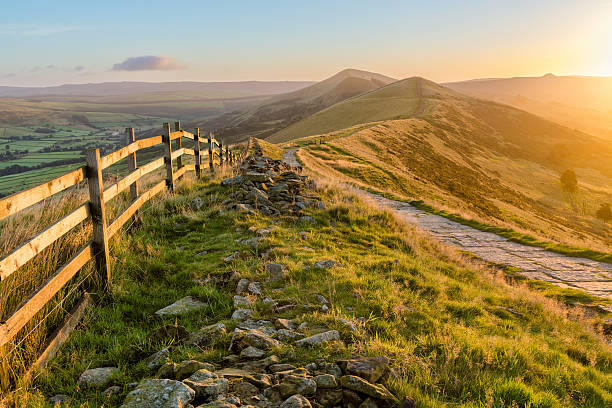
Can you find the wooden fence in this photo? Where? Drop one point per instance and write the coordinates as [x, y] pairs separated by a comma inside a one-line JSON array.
[[103, 229]]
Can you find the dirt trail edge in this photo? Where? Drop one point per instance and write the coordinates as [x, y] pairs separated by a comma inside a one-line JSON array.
[[590, 276]]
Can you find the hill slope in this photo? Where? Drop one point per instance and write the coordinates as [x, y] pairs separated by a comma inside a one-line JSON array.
[[280, 111], [489, 161], [580, 102]]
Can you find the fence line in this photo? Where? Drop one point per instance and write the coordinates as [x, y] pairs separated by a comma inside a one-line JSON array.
[[102, 229]]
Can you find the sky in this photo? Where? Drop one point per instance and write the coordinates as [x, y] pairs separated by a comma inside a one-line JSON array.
[[74, 41]]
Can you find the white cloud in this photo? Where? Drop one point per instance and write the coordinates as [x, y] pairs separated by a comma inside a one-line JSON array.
[[148, 63]]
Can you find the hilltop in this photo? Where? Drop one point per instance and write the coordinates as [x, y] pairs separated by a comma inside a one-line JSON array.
[[280, 111], [485, 160]]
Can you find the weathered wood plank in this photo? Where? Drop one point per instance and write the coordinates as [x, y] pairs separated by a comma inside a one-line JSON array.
[[181, 172], [132, 164], [177, 153], [168, 158], [188, 135], [149, 142], [179, 144], [24, 199], [210, 153], [128, 150], [28, 250], [98, 216], [118, 222], [112, 191], [60, 336], [187, 151], [175, 135], [29, 307]]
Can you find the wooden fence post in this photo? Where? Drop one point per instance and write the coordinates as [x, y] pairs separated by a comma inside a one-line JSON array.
[[168, 158], [179, 144], [211, 163], [226, 154], [132, 165], [98, 216], [4, 368], [196, 150], [220, 153]]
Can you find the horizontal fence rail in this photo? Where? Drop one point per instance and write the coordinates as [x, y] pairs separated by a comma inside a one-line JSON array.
[[93, 210]]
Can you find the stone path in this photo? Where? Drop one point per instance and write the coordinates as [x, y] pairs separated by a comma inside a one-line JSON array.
[[535, 263]]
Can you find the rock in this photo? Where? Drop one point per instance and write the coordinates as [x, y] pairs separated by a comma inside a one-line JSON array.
[[275, 368], [232, 399], [265, 231], [97, 377], [369, 368], [368, 403], [251, 242], [196, 204], [293, 384], [60, 399], [275, 271], [207, 385], [307, 219], [242, 285], [151, 393], [324, 308], [244, 390], [252, 352], [273, 394], [241, 301], [296, 401], [232, 181], [208, 335], [351, 397], [326, 264], [242, 208], [258, 339], [321, 205], [218, 404], [202, 253], [320, 338], [321, 299], [260, 365], [285, 335], [362, 386], [257, 177], [168, 334], [186, 368], [231, 257], [284, 324], [326, 381], [255, 288], [328, 397], [407, 402], [242, 314], [329, 368], [157, 359], [111, 391], [184, 305], [168, 370], [257, 197]]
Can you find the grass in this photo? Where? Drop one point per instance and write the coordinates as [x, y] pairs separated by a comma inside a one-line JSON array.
[[458, 334]]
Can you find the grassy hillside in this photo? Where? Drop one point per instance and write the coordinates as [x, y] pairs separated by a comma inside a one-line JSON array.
[[281, 111], [578, 102], [479, 159], [457, 334]]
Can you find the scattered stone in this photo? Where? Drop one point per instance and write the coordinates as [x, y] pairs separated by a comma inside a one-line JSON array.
[[275, 271], [326, 264], [152, 393], [252, 352], [275, 368], [255, 288], [97, 377], [296, 401], [362, 386], [242, 314], [186, 368], [242, 285], [232, 181], [286, 335], [231, 257], [307, 219], [320, 338], [328, 397], [293, 384], [369, 368], [326, 381], [202, 253], [184, 305], [208, 335], [169, 333], [407, 402], [244, 390], [158, 358], [284, 324], [60, 399], [111, 391], [348, 324], [351, 397], [196, 204], [241, 301], [168, 370], [510, 310], [265, 231], [329, 368], [218, 404], [232, 399], [321, 299], [255, 338], [251, 242], [368, 403], [324, 308], [207, 385], [273, 394]]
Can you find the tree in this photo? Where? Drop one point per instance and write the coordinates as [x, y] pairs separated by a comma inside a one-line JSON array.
[[569, 182], [604, 212]]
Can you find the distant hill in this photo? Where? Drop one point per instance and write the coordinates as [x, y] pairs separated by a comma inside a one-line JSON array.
[[105, 89], [280, 111], [575, 101]]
